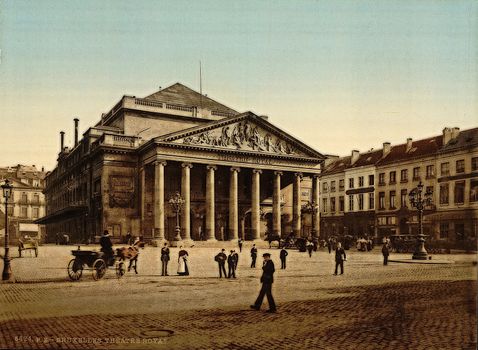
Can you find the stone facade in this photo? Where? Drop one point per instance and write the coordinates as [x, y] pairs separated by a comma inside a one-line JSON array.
[[27, 203], [238, 174], [446, 164]]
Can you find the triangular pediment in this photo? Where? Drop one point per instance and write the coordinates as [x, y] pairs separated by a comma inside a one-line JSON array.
[[246, 132]]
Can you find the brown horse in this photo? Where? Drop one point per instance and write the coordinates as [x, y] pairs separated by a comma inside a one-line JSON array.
[[131, 253]]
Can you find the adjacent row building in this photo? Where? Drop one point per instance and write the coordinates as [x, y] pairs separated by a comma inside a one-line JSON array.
[[27, 203], [366, 194], [238, 174]]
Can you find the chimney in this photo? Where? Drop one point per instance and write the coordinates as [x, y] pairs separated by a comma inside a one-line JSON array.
[[386, 148], [355, 156], [446, 135], [409, 144], [62, 140], [76, 120], [454, 133]]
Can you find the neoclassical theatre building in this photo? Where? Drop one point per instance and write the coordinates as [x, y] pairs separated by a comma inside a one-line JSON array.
[[237, 173]]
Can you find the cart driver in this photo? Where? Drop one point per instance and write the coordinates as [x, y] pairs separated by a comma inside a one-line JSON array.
[[106, 245]]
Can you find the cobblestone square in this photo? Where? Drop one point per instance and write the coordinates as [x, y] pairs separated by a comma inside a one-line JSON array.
[[371, 306]]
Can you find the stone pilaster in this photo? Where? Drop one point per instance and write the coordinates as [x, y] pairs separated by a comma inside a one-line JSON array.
[[276, 212], [256, 205], [315, 204], [210, 198], [186, 195], [296, 205], [158, 202]]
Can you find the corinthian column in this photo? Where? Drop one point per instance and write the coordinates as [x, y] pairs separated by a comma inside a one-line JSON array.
[[233, 205], [210, 227], [276, 213], [159, 202], [256, 205], [296, 205], [315, 203], [186, 194]]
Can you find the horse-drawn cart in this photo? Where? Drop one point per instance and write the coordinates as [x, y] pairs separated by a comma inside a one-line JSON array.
[[27, 244], [94, 260]]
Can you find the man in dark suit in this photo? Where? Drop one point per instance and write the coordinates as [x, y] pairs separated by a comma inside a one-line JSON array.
[[231, 265], [236, 259], [339, 258], [283, 255], [267, 279], [239, 242], [386, 253], [253, 255], [221, 260], [164, 260], [106, 246]]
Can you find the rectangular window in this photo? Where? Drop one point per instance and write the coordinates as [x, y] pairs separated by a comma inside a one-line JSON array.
[[341, 203], [361, 182], [371, 201], [36, 199], [23, 212], [10, 210], [392, 199], [393, 177], [351, 203], [429, 189], [444, 229], [381, 179], [404, 175], [444, 193], [324, 205], [371, 180], [474, 163], [360, 201], [460, 166], [351, 183], [381, 200], [403, 198], [445, 169], [474, 190], [35, 212], [341, 185], [459, 192], [324, 187], [24, 197], [416, 173], [430, 171], [332, 204], [332, 186]]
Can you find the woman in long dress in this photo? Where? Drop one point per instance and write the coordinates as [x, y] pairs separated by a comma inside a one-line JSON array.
[[183, 262]]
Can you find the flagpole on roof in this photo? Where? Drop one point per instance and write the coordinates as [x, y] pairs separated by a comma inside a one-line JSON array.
[[200, 81]]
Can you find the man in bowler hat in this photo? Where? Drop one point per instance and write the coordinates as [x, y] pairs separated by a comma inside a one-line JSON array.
[[231, 265], [221, 260], [164, 260], [283, 255], [339, 258], [267, 279], [253, 255]]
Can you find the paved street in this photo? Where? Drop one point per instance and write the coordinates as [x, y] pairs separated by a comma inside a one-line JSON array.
[[400, 306]]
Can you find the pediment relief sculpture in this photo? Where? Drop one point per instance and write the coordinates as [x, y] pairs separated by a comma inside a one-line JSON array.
[[242, 135]]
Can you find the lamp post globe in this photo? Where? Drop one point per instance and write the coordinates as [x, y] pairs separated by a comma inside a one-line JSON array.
[[7, 274]]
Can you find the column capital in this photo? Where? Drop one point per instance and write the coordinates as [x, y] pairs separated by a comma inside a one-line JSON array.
[[256, 171], [186, 165], [211, 167], [316, 176], [278, 173], [236, 169], [160, 162], [300, 175]]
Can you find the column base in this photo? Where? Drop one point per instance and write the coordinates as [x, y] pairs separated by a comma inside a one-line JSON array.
[[188, 242], [175, 243]]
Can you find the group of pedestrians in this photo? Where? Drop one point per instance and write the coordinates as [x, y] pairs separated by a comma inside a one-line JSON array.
[[183, 268]]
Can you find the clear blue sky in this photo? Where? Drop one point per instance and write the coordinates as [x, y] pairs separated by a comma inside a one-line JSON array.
[[339, 75]]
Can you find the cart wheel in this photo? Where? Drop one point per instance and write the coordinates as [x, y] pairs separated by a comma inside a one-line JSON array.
[[75, 269], [99, 269], [120, 269], [36, 252]]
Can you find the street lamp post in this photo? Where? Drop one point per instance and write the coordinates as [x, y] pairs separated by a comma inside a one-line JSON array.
[[177, 202], [7, 274], [420, 201]]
